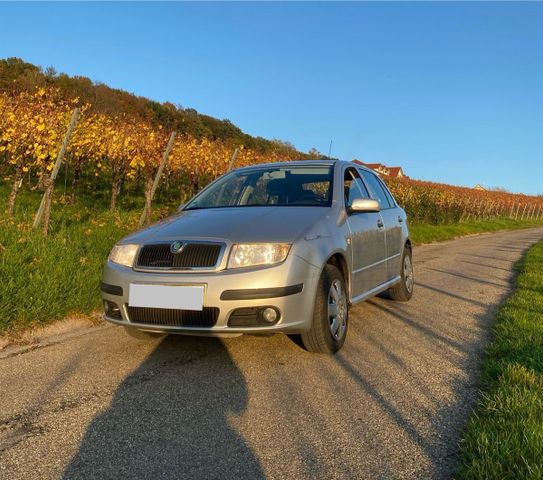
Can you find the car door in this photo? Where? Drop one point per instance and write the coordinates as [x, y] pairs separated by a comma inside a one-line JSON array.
[[392, 219], [366, 238]]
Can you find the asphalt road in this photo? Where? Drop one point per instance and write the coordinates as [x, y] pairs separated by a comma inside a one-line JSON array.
[[392, 404]]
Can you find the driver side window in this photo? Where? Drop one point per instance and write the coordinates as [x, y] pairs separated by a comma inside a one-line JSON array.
[[353, 187]]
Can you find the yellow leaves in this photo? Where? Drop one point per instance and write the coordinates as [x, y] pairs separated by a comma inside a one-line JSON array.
[[34, 124]]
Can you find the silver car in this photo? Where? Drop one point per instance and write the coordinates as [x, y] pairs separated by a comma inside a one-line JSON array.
[[284, 247]]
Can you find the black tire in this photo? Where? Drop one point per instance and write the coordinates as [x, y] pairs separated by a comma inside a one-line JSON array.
[[142, 335], [320, 338], [403, 291]]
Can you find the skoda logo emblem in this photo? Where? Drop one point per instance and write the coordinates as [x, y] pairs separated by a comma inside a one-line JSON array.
[[176, 247]]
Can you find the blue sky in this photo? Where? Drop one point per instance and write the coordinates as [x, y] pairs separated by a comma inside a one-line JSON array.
[[452, 92]]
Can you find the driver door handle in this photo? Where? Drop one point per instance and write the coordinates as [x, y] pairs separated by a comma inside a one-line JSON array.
[[380, 223]]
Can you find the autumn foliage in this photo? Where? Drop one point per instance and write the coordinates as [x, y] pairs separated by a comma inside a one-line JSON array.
[[116, 148], [434, 203]]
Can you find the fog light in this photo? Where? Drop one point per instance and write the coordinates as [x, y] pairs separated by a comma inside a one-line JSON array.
[[269, 315]]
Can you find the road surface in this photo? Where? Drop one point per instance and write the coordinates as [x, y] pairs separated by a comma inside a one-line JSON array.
[[392, 404]]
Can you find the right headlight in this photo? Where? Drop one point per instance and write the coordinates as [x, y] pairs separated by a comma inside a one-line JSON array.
[[124, 254], [253, 254]]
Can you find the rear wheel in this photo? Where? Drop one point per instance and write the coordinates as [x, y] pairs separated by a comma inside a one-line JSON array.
[[331, 314], [403, 291]]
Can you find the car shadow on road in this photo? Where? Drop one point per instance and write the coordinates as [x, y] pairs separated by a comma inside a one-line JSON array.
[[469, 277], [450, 294], [169, 419], [485, 265]]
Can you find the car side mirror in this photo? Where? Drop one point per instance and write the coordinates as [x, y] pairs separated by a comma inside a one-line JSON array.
[[364, 205]]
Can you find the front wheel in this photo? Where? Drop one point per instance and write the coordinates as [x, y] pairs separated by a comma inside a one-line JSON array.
[[403, 291], [331, 314]]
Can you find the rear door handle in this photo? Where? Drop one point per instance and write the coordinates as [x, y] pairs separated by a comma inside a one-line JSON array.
[[380, 223], [400, 219]]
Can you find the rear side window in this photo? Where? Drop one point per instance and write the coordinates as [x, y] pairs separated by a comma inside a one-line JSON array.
[[387, 192], [376, 190]]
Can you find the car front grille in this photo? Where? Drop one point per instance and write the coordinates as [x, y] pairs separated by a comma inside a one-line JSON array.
[[193, 255], [174, 318]]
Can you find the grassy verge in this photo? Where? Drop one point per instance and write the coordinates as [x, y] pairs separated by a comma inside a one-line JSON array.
[[47, 278], [44, 279], [439, 233], [504, 438]]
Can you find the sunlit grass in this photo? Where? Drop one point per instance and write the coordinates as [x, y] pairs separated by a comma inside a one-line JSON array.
[[504, 438], [45, 278]]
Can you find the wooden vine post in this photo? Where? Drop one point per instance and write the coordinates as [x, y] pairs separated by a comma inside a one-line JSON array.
[[524, 211], [233, 159], [44, 211], [150, 192], [518, 210]]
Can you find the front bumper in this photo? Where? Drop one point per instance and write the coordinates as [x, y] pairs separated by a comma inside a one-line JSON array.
[[289, 287]]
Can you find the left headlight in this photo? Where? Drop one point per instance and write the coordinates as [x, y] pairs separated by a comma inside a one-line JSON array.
[[123, 254], [250, 255]]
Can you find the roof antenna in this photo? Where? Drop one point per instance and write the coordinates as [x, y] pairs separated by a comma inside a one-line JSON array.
[[330, 148]]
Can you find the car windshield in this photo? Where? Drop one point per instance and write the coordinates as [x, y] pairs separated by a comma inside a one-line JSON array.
[[278, 186]]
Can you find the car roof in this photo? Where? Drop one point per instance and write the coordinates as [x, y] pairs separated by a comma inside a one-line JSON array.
[[302, 163]]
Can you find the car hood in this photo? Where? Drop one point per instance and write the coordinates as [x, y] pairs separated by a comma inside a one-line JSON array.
[[236, 224]]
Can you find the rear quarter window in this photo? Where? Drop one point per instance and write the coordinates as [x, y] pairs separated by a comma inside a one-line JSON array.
[[388, 193]]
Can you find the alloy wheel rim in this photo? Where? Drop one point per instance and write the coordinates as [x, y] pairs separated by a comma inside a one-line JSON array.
[[408, 275], [337, 310]]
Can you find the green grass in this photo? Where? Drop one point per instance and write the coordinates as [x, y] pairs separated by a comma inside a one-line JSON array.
[[504, 437], [438, 233], [47, 278]]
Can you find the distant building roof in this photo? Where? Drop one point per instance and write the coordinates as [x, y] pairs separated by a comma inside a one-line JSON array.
[[392, 172]]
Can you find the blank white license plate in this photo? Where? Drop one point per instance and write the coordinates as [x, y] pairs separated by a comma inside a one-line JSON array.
[[181, 297]]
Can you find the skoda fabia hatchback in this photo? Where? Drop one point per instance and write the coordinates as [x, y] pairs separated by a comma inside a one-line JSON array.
[[284, 247]]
